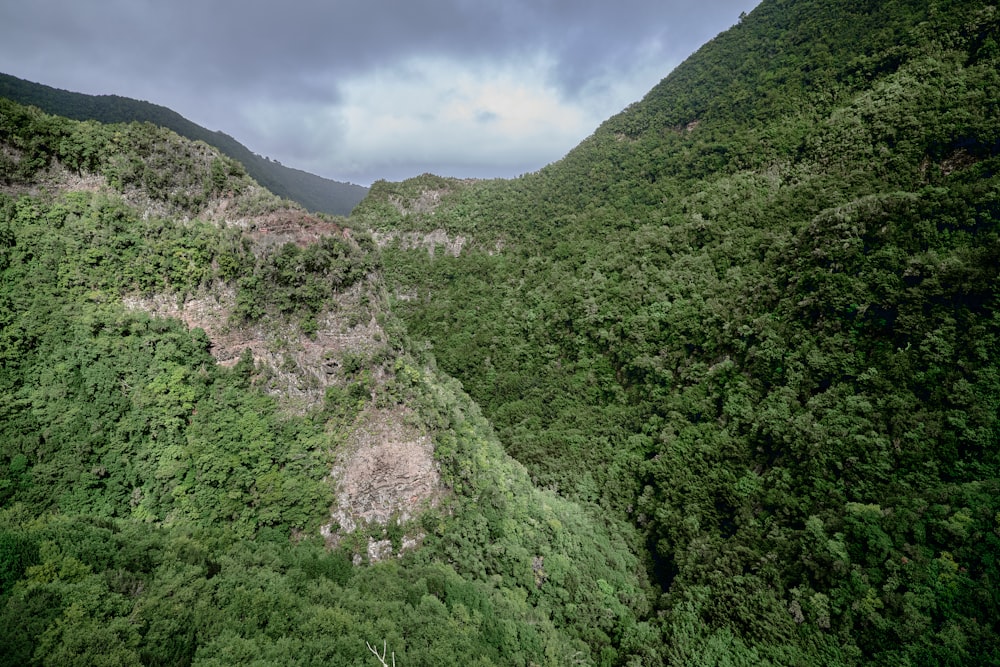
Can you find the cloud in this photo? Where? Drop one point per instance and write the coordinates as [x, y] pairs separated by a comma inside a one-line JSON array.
[[361, 89], [431, 110], [477, 118]]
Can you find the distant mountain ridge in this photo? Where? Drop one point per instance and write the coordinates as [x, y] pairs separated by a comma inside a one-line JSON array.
[[314, 192]]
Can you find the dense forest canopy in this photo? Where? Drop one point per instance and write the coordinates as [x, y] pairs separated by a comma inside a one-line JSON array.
[[720, 387], [755, 314]]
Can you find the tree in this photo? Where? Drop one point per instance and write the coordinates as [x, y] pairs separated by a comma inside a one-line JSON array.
[[381, 658]]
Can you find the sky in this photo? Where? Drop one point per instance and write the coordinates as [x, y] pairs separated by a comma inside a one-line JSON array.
[[359, 90]]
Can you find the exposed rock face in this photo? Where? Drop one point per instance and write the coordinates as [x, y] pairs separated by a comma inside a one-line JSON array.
[[426, 202], [290, 226], [55, 178], [389, 470], [386, 474], [431, 240], [297, 368]]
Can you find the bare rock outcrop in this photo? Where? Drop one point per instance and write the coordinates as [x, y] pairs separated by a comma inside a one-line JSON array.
[[386, 474]]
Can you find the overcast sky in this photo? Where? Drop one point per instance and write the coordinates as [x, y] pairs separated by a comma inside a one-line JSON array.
[[358, 90]]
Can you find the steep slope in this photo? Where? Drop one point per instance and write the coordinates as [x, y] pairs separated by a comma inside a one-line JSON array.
[[756, 314], [311, 191], [217, 447]]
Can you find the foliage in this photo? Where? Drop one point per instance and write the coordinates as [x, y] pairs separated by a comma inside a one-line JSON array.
[[179, 175], [742, 343], [110, 413], [302, 280]]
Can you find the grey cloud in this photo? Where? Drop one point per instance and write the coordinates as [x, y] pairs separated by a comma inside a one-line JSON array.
[[232, 44], [212, 60]]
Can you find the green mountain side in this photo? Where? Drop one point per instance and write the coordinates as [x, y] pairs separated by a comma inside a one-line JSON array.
[[314, 192], [755, 315], [217, 445]]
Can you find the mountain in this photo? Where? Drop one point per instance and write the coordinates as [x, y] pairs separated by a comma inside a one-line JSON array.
[[755, 315], [217, 444], [316, 193]]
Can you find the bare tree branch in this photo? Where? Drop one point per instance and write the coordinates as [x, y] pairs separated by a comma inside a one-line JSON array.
[[381, 658]]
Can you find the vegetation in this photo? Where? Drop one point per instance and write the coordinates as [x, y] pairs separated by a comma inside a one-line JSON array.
[[733, 393]]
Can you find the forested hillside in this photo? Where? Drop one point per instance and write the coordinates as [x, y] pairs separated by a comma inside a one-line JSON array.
[[720, 387], [218, 447], [755, 316], [311, 191]]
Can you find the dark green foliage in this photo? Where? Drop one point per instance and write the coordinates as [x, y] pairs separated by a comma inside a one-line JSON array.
[[16, 554], [132, 594], [295, 280], [756, 315]]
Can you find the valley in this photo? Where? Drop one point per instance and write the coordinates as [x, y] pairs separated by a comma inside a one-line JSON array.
[[718, 387]]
